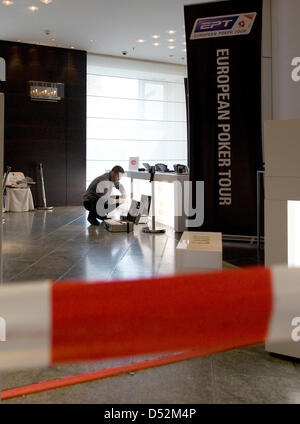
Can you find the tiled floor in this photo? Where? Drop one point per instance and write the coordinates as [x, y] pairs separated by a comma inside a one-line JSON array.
[[61, 245]]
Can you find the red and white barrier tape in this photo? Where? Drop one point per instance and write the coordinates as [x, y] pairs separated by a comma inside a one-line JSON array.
[[76, 321]]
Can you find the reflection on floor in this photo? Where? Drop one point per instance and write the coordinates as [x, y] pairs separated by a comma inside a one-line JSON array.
[[61, 245]]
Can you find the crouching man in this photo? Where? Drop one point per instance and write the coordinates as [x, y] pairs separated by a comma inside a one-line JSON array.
[[97, 199]]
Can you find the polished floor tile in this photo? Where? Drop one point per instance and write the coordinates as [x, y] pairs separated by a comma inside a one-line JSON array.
[[61, 245], [184, 382], [255, 362], [236, 388]]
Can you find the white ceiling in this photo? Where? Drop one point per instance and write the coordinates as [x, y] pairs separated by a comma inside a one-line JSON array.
[[115, 25]]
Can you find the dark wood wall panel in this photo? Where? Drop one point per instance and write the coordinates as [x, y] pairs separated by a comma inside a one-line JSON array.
[[44, 132]]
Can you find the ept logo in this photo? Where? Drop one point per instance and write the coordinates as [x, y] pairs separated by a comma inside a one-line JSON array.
[[223, 26], [2, 330], [296, 71], [204, 25], [296, 332]]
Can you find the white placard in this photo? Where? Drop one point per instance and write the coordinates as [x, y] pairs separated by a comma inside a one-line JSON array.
[[134, 163]]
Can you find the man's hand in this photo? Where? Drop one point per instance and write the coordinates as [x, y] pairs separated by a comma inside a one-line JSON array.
[[118, 201]]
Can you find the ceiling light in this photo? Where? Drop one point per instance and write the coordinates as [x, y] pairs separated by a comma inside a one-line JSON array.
[[7, 2], [171, 47], [53, 39], [184, 50], [140, 40], [156, 36], [93, 41], [72, 47], [46, 1], [171, 40], [156, 44], [33, 8], [184, 43], [171, 31]]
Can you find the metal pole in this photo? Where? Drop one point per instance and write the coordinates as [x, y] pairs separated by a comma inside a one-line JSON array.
[[153, 204], [153, 230], [259, 180], [43, 186], [8, 169], [45, 207], [131, 188]]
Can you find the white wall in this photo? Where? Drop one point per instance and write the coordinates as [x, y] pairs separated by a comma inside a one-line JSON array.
[[285, 46], [282, 184]]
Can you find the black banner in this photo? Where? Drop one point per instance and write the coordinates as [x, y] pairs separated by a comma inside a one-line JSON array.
[[224, 83]]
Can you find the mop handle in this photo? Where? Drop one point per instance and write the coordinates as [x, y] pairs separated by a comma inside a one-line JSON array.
[[43, 186], [8, 169]]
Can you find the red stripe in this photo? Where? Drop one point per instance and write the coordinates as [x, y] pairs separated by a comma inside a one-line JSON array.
[[95, 375], [208, 312]]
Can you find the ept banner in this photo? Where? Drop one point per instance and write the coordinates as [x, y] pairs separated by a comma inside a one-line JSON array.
[[224, 92]]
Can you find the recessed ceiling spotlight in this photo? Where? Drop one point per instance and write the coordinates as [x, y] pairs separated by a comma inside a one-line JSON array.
[[33, 8], [72, 47], [93, 41], [156, 36], [46, 1], [171, 47], [53, 39], [184, 50], [7, 2], [171, 40], [184, 43], [171, 31], [19, 41], [156, 44], [140, 40]]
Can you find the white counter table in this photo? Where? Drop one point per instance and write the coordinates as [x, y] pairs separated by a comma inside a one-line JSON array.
[[169, 194]]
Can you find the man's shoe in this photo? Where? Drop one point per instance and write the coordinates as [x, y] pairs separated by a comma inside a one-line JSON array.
[[92, 220], [104, 218]]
